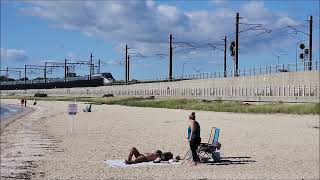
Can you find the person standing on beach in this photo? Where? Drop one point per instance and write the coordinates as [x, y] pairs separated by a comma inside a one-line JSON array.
[[194, 137], [25, 103], [22, 102]]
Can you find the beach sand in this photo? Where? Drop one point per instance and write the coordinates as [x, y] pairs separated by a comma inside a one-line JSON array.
[[259, 146]]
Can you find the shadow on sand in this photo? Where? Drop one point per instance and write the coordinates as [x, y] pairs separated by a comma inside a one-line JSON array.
[[232, 160]]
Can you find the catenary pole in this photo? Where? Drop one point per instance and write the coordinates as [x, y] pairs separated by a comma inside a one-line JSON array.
[[225, 57], [170, 57], [310, 43], [237, 45], [126, 64]]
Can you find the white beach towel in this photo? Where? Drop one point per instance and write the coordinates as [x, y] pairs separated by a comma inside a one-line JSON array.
[[120, 163]]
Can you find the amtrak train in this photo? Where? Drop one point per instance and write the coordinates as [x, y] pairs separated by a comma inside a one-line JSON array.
[[100, 79]]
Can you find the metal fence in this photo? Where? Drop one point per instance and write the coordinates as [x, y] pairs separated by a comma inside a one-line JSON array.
[[260, 70], [255, 71], [232, 91]]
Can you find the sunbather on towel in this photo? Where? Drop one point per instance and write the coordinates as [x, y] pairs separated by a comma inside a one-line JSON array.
[[139, 158]]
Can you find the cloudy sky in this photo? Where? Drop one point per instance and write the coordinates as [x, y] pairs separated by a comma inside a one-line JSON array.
[[33, 32]]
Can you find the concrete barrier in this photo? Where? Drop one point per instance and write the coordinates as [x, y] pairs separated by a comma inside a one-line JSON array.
[[286, 87]]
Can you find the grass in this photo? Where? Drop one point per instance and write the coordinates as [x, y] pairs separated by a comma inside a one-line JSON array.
[[218, 106]]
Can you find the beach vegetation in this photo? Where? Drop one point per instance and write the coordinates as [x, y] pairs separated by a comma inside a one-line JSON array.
[[191, 104]]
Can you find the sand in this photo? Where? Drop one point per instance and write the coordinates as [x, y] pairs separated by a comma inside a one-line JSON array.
[[254, 146]]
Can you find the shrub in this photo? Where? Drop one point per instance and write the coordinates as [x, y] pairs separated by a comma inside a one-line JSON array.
[[107, 95], [40, 94], [149, 97]]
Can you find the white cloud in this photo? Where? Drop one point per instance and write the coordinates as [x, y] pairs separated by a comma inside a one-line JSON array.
[[146, 26], [13, 56], [218, 1]]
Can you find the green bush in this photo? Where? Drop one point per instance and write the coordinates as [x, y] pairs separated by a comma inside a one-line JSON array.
[[40, 94], [107, 95]]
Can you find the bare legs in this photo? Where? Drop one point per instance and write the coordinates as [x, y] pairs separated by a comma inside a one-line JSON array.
[[134, 152], [138, 157]]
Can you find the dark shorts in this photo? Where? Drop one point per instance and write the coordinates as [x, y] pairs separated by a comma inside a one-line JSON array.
[[141, 158]]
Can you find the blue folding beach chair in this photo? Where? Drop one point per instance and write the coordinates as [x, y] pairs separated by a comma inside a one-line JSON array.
[[207, 149]]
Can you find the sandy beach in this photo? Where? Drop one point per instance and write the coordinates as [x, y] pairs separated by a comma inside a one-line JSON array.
[[254, 146]]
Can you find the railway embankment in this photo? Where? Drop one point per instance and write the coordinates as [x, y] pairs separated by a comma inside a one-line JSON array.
[[292, 87]]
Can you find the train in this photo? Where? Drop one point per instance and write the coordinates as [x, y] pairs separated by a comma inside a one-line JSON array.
[[100, 79]]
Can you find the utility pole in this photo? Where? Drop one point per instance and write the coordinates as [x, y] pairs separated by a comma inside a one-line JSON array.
[[237, 45], [45, 72], [90, 66], [225, 57], [99, 66], [128, 77], [170, 58], [7, 72], [25, 74], [126, 64], [65, 70], [310, 43]]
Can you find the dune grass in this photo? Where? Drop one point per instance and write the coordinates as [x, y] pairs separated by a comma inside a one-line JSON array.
[[218, 106]]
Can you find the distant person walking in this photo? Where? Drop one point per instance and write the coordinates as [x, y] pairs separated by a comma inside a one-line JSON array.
[[22, 102], [25, 103]]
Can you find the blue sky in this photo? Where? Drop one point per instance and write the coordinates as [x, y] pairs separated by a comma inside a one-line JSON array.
[[33, 32]]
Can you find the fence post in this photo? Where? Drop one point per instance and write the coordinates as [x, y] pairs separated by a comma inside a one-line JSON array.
[[270, 70], [266, 70], [309, 89], [260, 70]]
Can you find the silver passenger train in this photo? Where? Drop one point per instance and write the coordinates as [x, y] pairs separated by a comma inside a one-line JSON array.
[[106, 77]]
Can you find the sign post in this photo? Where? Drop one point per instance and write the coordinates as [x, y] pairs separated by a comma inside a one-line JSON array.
[[72, 111]]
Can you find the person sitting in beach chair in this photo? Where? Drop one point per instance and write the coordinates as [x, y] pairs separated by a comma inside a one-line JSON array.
[[87, 109], [35, 102], [139, 158]]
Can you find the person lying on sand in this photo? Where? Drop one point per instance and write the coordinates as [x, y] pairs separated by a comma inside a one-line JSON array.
[[139, 158]]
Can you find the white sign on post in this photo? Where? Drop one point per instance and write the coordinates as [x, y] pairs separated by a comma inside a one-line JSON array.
[[72, 111]]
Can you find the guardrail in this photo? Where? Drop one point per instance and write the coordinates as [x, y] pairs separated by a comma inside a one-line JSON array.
[[260, 70]]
